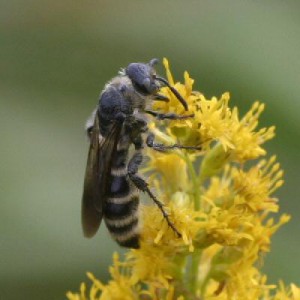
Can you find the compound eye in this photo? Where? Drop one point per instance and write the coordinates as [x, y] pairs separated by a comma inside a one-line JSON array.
[[150, 84], [141, 88], [142, 77]]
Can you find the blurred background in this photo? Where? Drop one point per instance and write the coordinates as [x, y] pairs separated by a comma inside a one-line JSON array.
[[55, 57]]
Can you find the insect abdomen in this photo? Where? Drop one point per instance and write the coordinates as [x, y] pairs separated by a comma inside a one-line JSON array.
[[121, 206]]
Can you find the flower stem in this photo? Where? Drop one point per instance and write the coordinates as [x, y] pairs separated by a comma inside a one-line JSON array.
[[195, 183], [180, 262], [193, 278], [196, 256]]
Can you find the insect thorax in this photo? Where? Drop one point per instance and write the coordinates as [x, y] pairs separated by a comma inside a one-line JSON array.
[[130, 96]]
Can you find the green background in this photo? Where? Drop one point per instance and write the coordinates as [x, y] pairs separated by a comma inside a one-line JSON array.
[[55, 57]]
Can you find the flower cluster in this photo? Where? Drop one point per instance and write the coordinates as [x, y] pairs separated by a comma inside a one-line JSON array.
[[220, 204]]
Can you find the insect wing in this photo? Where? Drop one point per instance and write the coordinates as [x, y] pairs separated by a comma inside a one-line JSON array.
[[90, 217], [107, 148], [96, 176]]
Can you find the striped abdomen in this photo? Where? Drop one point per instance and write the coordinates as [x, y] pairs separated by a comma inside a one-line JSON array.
[[121, 206]]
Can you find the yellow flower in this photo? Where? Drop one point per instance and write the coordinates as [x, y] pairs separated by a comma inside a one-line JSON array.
[[247, 143], [215, 121], [253, 188], [221, 208], [172, 168]]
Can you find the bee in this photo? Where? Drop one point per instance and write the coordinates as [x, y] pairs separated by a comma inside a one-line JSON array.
[[112, 183]]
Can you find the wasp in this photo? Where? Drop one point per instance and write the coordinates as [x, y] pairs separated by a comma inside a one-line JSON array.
[[112, 182]]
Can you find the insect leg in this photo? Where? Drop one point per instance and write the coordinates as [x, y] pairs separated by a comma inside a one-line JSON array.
[[143, 186], [161, 147], [169, 116]]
